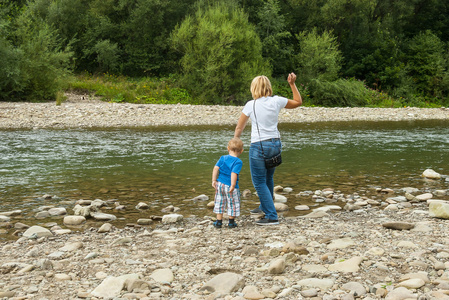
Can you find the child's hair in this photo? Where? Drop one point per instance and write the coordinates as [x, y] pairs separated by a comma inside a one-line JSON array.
[[261, 87], [235, 145]]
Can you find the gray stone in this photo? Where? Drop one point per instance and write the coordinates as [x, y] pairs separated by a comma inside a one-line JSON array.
[[201, 198], [42, 215], [424, 197], [341, 243], [171, 218], [399, 225], [400, 293], [70, 247], [111, 286], [277, 266], [355, 287], [103, 217], [142, 205], [348, 266], [84, 211], [144, 221], [74, 220], [4, 218], [323, 284], [431, 174], [315, 214], [37, 232], [106, 227], [57, 211], [11, 213], [162, 276], [439, 209], [224, 283], [280, 206]]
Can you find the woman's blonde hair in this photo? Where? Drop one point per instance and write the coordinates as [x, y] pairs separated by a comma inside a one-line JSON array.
[[261, 87]]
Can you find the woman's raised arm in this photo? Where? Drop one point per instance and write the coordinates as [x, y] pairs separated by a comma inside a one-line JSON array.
[[297, 99]]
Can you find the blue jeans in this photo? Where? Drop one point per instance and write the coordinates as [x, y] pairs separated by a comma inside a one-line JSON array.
[[262, 177]]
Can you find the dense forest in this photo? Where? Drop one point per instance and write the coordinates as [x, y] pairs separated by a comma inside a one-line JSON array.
[[345, 52]]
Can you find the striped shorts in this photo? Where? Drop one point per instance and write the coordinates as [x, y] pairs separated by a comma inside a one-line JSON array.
[[225, 199]]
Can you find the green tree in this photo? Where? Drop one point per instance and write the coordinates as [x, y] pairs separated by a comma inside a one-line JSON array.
[[35, 65], [319, 56], [426, 63], [276, 45], [221, 54]]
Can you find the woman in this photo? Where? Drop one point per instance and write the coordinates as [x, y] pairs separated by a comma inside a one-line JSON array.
[[264, 112]]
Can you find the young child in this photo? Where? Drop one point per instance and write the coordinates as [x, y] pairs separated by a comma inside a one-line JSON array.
[[225, 181]]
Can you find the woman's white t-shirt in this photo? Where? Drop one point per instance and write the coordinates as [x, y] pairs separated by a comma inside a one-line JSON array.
[[267, 113]]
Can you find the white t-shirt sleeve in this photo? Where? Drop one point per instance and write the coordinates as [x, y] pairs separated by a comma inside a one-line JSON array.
[[248, 108]]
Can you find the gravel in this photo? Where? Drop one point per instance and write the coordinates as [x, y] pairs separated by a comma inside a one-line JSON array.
[[82, 111]]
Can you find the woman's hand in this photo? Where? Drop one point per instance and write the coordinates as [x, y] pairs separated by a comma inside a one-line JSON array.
[[291, 78]]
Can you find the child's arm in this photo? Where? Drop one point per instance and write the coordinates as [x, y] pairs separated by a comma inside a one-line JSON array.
[[234, 177], [215, 176]]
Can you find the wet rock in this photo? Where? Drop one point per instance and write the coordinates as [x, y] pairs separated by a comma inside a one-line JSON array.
[[144, 221], [106, 227], [57, 211], [171, 218], [431, 174], [142, 205], [42, 215], [4, 218], [280, 198], [280, 206], [103, 217], [11, 213], [302, 207], [74, 220], [201, 198], [83, 211]]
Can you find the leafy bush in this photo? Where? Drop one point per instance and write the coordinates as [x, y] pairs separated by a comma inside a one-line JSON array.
[[342, 92], [221, 54], [319, 57]]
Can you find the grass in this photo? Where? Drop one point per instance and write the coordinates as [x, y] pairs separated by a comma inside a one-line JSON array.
[[149, 90], [144, 90]]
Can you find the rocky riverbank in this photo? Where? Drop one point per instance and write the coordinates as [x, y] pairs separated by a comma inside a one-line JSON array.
[[394, 245], [82, 111]]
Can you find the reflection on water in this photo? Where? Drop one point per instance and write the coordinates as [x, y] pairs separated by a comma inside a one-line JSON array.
[[170, 166]]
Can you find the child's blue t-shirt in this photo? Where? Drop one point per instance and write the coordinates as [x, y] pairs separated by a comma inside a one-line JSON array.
[[228, 164]]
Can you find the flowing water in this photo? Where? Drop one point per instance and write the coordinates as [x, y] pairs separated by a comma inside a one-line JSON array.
[[169, 166]]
